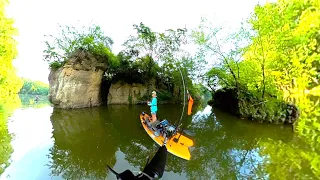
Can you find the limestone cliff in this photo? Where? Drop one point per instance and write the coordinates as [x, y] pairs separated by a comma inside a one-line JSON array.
[[123, 93], [77, 84], [80, 83]]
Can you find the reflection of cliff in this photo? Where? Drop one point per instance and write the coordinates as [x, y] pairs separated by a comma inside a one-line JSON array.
[[84, 144], [134, 142], [244, 129]]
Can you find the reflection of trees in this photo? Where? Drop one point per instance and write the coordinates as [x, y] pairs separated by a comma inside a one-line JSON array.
[[299, 158], [84, 144], [135, 142], [29, 101], [141, 145], [11, 103], [290, 160], [227, 148]]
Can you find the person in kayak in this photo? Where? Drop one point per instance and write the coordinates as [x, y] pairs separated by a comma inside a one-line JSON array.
[[153, 106]]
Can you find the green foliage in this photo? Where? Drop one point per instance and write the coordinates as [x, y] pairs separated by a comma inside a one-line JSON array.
[[280, 65], [130, 99], [286, 49], [132, 71], [273, 63], [139, 62], [55, 65], [9, 82], [144, 53], [165, 96], [148, 48], [34, 87], [90, 39]]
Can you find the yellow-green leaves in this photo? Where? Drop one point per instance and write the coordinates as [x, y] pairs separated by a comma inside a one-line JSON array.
[[9, 82]]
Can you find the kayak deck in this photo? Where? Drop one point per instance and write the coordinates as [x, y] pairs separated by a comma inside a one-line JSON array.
[[178, 146]]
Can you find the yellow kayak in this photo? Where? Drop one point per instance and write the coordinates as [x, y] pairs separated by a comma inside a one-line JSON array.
[[177, 145]]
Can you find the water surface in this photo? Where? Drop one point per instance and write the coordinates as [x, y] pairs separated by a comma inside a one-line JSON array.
[[53, 143]]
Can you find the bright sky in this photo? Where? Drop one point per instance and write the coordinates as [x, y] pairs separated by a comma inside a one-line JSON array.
[[35, 18]]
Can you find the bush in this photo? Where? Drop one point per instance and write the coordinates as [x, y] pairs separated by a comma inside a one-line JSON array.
[[56, 65], [90, 39]]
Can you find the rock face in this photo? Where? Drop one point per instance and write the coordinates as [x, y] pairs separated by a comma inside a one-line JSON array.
[[252, 108], [71, 88], [80, 83], [77, 84], [123, 93]]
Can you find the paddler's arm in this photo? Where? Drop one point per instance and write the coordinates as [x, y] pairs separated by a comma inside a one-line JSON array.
[[190, 99]]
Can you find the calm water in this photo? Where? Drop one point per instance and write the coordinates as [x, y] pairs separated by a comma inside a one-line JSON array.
[[52, 143]]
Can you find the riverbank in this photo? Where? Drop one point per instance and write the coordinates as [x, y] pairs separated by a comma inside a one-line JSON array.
[[243, 104]]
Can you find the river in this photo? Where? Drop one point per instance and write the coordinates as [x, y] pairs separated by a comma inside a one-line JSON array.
[[51, 143]]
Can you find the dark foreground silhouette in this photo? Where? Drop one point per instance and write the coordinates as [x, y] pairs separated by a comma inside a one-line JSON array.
[[153, 169]]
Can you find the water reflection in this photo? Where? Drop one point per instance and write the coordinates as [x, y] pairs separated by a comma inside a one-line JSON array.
[[28, 101], [84, 144], [80, 143], [86, 140], [228, 148], [6, 108]]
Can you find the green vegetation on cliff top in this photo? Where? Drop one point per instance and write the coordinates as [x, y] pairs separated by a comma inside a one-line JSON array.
[[140, 60]]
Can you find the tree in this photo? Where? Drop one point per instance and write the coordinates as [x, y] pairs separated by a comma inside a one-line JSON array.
[[10, 83], [160, 55], [286, 44], [90, 39], [151, 48], [210, 46]]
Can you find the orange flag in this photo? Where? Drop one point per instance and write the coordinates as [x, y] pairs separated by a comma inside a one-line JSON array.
[[190, 103]]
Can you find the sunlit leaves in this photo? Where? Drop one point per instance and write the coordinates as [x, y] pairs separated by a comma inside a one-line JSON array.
[[9, 82]]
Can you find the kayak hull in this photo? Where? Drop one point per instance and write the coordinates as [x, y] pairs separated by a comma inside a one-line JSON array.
[[178, 146]]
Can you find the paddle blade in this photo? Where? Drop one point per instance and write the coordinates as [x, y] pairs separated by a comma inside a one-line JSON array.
[[190, 103], [188, 132]]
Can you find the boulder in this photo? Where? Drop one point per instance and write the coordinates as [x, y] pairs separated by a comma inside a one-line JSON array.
[[70, 88], [77, 84]]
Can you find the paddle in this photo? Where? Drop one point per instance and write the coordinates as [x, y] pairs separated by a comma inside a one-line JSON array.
[[188, 132]]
